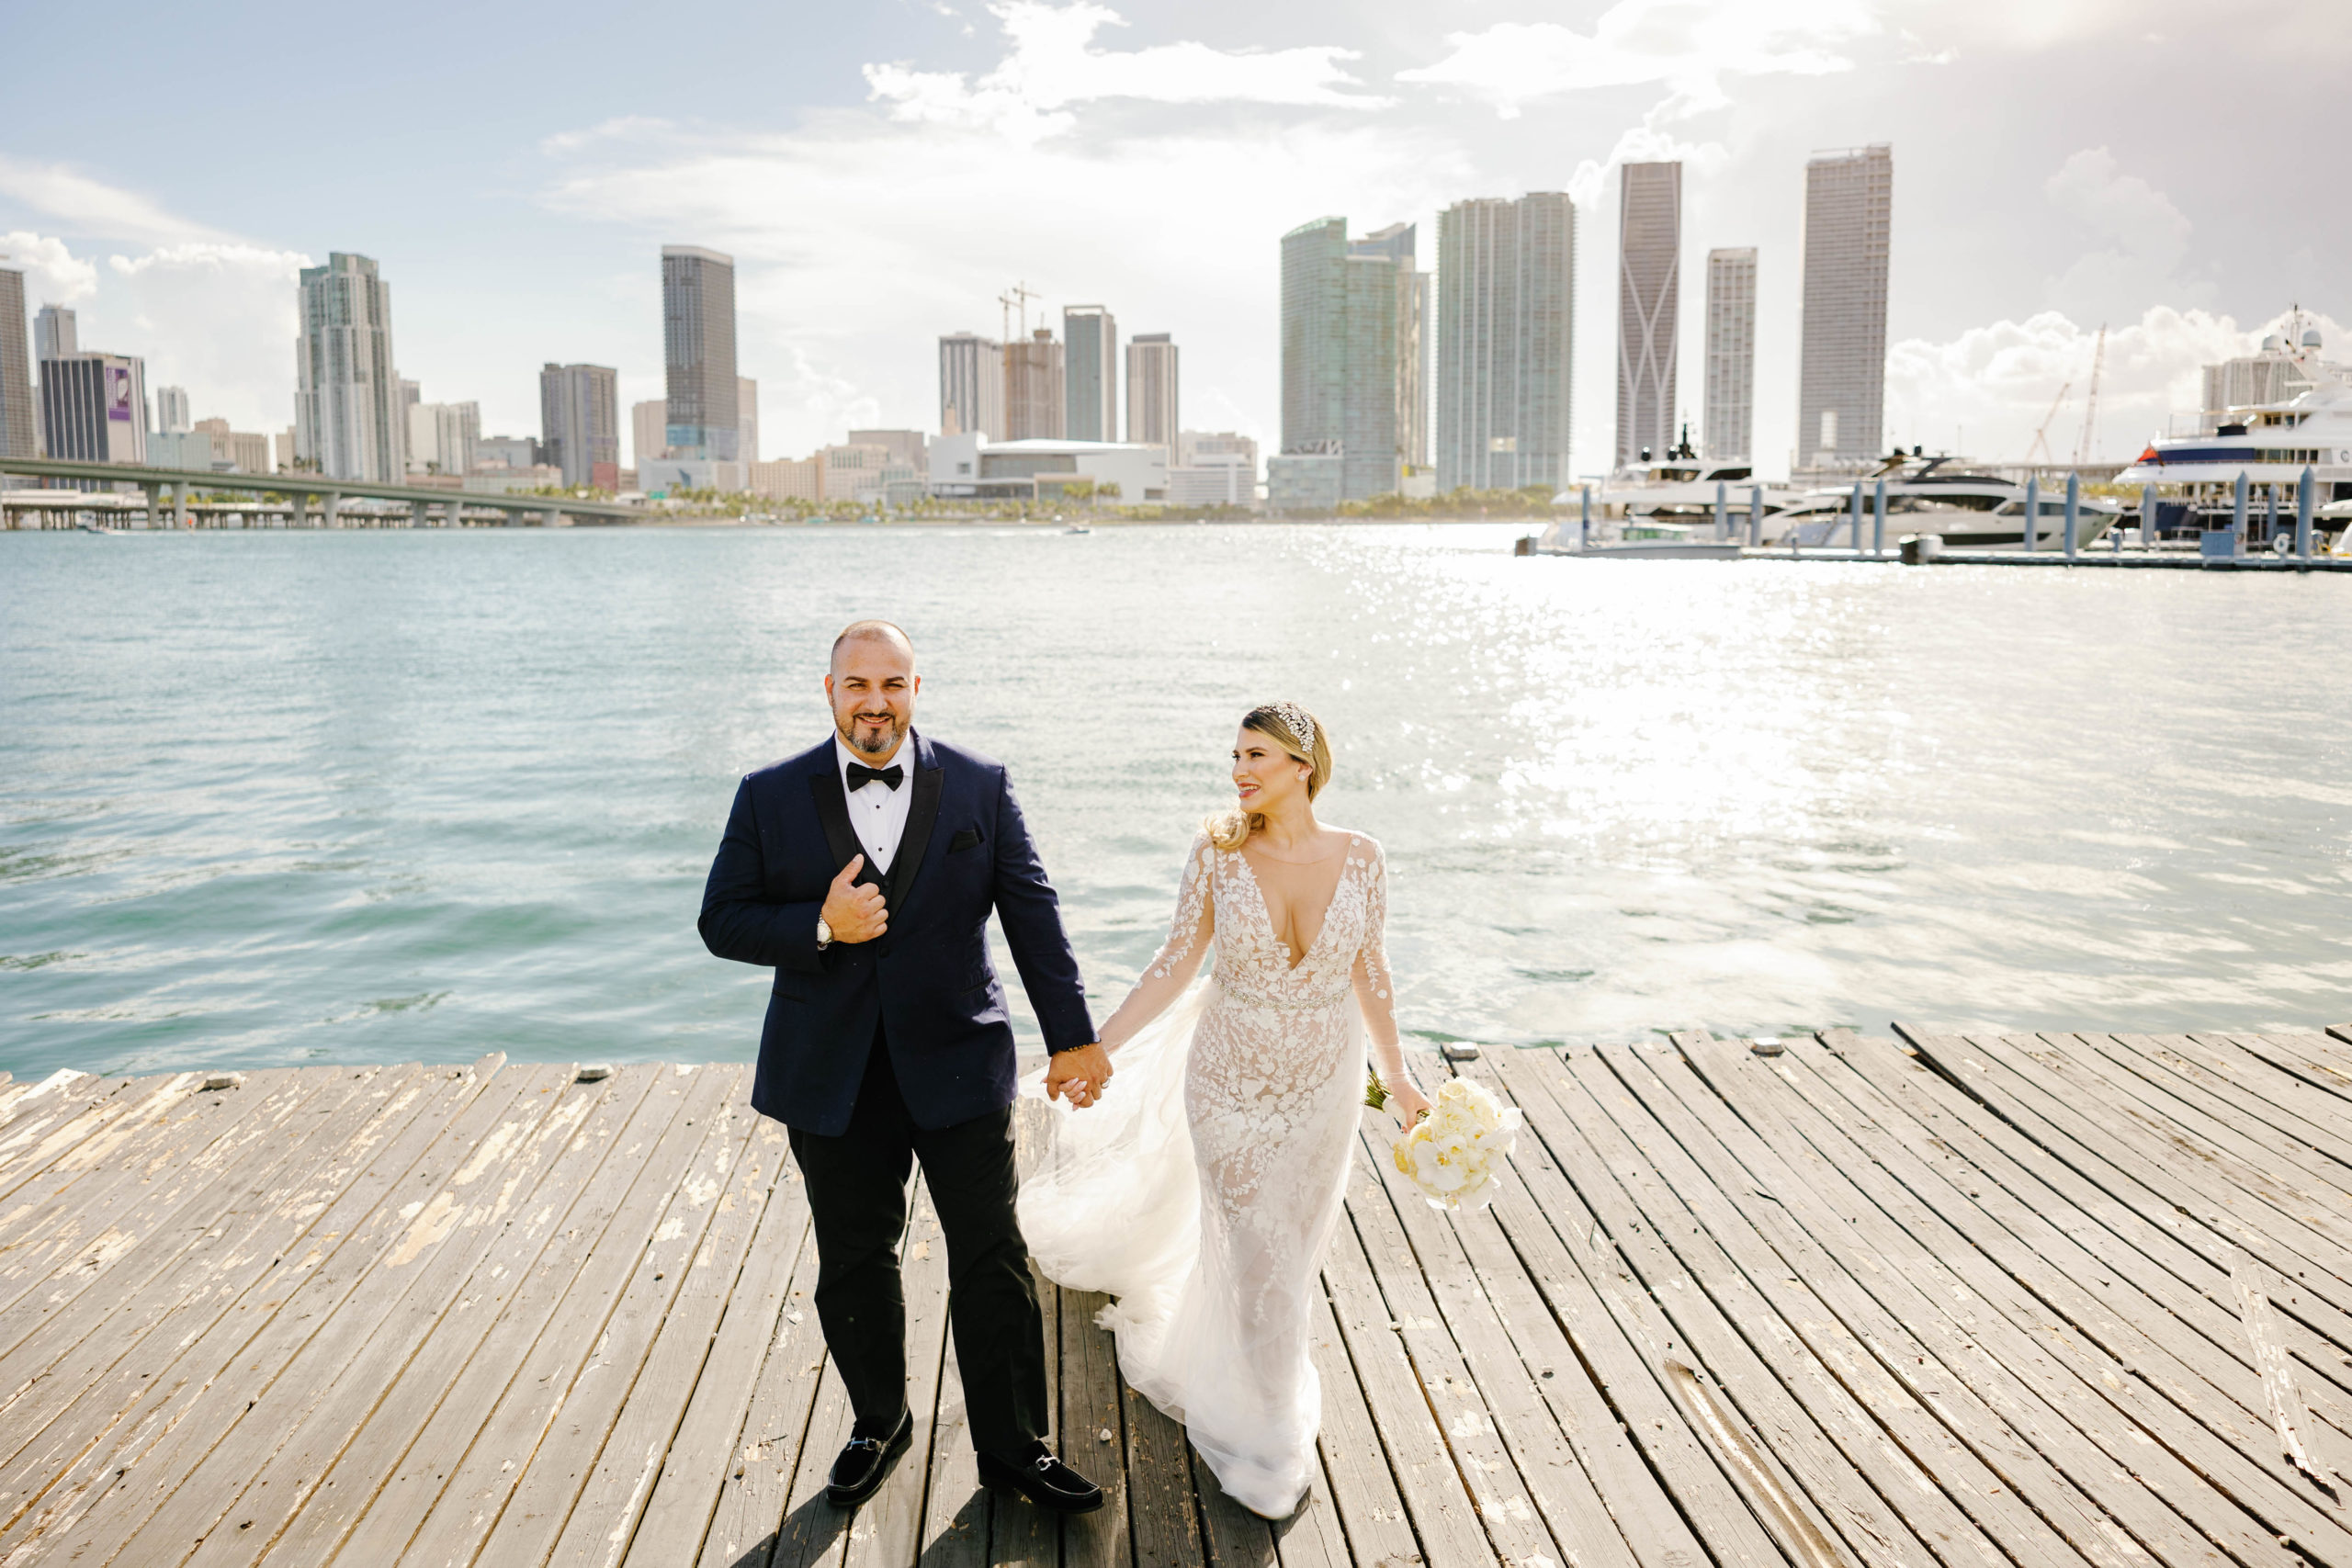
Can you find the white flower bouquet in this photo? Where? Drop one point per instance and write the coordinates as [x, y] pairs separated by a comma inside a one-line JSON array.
[[1455, 1154]]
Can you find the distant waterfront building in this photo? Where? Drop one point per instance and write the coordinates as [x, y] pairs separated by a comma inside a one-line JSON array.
[[1506, 337], [1395, 245], [906, 447], [971, 384], [243, 452], [1091, 374], [1152, 389], [2272, 376], [747, 417], [171, 411], [1308, 483], [1033, 389], [1730, 418], [444, 439], [698, 354], [1649, 307], [1191, 445], [965, 467], [348, 418], [54, 336], [648, 431], [787, 479], [1841, 377], [281, 448], [20, 424], [1341, 375], [512, 453], [93, 408], [580, 422]]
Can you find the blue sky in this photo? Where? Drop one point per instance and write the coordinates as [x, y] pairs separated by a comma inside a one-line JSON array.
[[883, 172]]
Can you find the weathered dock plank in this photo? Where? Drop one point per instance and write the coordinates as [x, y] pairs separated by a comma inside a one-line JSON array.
[[1955, 1303]]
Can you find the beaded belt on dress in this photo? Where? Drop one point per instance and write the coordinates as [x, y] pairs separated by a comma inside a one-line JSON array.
[[1281, 1004]]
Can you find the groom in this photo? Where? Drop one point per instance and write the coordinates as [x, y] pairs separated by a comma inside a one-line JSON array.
[[863, 871]]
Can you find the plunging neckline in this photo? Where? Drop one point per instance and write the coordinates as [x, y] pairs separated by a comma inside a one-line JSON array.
[[1266, 913]]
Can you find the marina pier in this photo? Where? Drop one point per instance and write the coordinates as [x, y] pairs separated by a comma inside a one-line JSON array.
[[2057, 1299]]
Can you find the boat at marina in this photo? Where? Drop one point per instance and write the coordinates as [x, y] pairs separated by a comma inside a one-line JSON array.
[[2271, 445], [1682, 488], [1927, 495]]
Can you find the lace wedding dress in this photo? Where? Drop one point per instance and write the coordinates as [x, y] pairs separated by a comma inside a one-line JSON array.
[[1202, 1189]]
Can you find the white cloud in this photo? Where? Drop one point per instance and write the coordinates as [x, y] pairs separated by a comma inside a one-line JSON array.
[[2140, 238], [90, 207], [1688, 45], [1054, 65], [1996, 383], [620, 127], [53, 274]]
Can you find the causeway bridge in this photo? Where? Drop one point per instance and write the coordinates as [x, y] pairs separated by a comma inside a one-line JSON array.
[[282, 501]]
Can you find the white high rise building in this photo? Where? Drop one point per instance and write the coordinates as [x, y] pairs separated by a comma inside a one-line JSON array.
[[971, 385], [1649, 305], [54, 336], [648, 429], [444, 439], [349, 413], [1730, 417], [1152, 389], [1841, 378], [1506, 338], [171, 411]]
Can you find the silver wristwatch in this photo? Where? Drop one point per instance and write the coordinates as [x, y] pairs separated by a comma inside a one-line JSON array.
[[824, 934]]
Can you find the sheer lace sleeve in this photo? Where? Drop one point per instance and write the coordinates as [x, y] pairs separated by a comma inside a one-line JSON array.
[[1375, 988], [1178, 958]]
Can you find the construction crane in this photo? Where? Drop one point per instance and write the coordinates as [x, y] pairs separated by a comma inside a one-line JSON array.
[[2041, 437], [2090, 399], [1016, 297]]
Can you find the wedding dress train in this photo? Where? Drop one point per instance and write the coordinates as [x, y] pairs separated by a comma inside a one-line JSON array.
[[1204, 1186]]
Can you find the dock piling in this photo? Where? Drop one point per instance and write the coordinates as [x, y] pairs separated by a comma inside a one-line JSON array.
[[2237, 515], [2148, 514], [2033, 514], [1723, 519], [2304, 513], [1584, 519], [2074, 510], [1878, 518], [1755, 515], [1854, 518]]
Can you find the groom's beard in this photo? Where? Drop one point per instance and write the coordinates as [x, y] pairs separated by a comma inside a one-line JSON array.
[[867, 739]]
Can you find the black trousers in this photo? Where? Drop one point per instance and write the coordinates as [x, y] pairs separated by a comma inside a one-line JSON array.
[[857, 1199]]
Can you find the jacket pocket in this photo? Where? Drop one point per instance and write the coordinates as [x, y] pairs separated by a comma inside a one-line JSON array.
[[964, 840]]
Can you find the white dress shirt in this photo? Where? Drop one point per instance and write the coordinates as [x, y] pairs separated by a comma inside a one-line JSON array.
[[877, 813]]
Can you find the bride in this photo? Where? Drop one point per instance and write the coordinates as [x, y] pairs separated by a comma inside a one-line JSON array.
[[1203, 1185]]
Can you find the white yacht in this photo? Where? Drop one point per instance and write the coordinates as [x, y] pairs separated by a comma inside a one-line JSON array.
[[1678, 489], [2271, 443], [1967, 510]]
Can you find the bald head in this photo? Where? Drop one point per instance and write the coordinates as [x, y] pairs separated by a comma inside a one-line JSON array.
[[872, 687], [874, 631]]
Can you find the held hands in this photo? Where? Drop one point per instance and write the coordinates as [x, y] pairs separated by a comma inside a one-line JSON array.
[[854, 913], [1078, 1074]]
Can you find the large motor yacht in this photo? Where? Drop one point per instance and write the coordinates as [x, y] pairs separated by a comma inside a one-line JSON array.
[[1681, 488], [1926, 495], [2271, 444]]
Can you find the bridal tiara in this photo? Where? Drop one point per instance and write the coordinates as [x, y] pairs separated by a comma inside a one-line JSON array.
[[1298, 720]]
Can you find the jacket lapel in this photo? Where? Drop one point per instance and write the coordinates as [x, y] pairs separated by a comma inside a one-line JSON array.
[[922, 813], [832, 813]]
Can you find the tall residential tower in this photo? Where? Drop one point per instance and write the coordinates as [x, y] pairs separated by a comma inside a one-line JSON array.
[[698, 354], [580, 422], [971, 385], [1151, 390], [1506, 333], [1730, 418], [1089, 374], [349, 419], [1033, 389], [1649, 305], [1841, 378], [20, 430], [1341, 374]]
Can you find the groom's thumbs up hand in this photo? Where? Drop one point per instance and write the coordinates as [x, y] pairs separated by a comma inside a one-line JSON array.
[[855, 913]]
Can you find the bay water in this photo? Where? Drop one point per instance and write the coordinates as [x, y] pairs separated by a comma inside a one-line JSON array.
[[359, 797]]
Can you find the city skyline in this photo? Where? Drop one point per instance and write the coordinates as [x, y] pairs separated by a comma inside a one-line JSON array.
[[831, 181]]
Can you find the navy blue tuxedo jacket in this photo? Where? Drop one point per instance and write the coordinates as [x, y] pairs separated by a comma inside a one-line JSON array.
[[927, 979]]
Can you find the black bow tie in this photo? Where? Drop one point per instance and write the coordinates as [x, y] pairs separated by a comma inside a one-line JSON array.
[[860, 776]]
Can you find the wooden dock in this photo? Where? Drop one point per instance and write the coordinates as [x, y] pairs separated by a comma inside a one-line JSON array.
[[2044, 1301]]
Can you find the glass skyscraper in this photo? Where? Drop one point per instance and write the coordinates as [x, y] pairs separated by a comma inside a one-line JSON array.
[[1506, 293], [349, 417], [1649, 305], [580, 422], [1841, 378], [1089, 374], [18, 428], [1340, 344], [1730, 418], [699, 353]]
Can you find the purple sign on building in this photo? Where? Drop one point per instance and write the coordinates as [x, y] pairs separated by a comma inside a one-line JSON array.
[[121, 403]]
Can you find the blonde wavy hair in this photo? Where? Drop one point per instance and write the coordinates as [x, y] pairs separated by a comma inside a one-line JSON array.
[[1231, 830]]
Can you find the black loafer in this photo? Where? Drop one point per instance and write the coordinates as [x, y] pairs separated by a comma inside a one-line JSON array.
[[866, 1462], [1043, 1480]]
